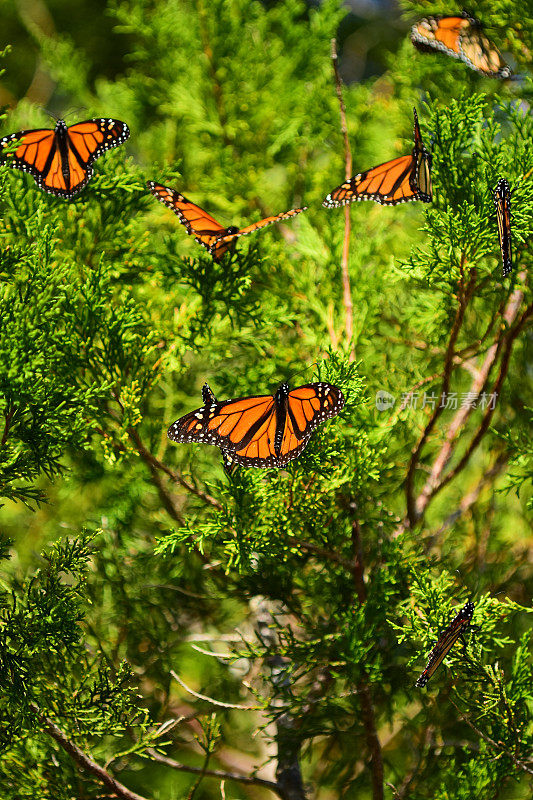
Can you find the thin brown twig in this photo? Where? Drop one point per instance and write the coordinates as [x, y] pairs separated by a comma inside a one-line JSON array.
[[496, 390], [152, 461], [212, 699], [433, 482], [408, 395], [328, 555], [87, 763], [346, 288], [464, 298], [498, 747], [8, 416], [213, 773], [472, 497]]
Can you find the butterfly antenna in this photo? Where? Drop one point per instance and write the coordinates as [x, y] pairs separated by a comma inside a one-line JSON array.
[[301, 371], [74, 111], [51, 114]]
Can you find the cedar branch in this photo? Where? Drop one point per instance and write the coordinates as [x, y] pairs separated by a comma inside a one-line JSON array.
[[87, 763], [213, 773]]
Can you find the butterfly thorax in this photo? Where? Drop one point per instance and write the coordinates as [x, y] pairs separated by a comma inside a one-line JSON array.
[[231, 231], [61, 132]]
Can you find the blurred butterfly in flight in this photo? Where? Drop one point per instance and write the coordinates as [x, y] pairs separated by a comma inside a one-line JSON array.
[[60, 159], [502, 201], [401, 180], [461, 37], [262, 430], [446, 641], [206, 230]]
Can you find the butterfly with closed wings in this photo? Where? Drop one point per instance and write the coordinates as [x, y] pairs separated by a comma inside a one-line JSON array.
[[61, 158], [263, 430], [502, 201], [401, 180], [206, 230], [460, 36], [460, 623]]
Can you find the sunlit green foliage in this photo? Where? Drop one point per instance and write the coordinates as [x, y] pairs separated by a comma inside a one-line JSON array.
[[303, 601]]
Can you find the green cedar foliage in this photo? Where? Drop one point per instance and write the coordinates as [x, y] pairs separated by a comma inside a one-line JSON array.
[[304, 601]]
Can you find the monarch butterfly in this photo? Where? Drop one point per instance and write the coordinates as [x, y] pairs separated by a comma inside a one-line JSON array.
[[460, 37], [401, 180], [60, 159], [502, 201], [205, 229], [264, 430], [209, 399], [446, 641]]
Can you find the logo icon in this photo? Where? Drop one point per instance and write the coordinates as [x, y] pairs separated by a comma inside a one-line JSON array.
[[384, 400]]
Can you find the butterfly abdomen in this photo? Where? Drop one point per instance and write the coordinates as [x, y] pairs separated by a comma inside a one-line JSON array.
[[281, 401]]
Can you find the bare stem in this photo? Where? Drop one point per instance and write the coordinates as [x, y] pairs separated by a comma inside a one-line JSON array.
[[503, 342], [435, 481], [213, 773], [154, 463], [8, 416], [347, 291]]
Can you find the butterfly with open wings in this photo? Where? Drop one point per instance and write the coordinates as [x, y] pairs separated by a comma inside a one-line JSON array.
[[206, 230], [401, 180], [263, 430], [61, 158]]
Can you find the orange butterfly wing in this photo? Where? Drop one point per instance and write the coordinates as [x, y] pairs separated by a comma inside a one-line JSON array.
[[225, 241], [401, 180], [231, 425], [462, 38], [261, 431], [205, 229], [439, 33], [61, 159], [36, 149]]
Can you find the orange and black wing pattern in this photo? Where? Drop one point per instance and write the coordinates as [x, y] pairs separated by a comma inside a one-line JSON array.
[[198, 223], [61, 159], [502, 201], [206, 230], [446, 641], [460, 37], [209, 398], [233, 233], [264, 430], [401, 180]]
